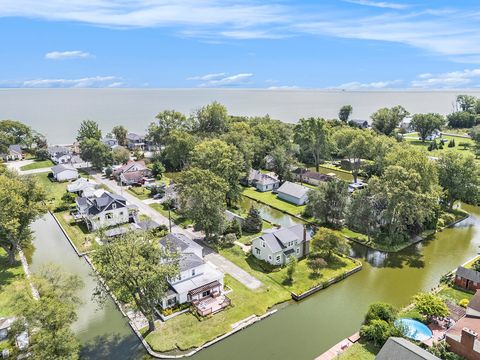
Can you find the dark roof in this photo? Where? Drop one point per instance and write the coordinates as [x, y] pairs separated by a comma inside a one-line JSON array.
[[189, 261], [278, 240], [175, 241], [468, 274], [317, 176], [398, 348], [15, 148], [289, 252], [134, 137], [97, 205], [203, 288], [148, 225]]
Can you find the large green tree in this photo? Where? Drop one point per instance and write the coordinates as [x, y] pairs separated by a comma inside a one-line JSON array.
[[202, 199], [327, 203], [313, 137], [467, 103], [425, 124], [21, 203], [168, 121], [14, 132], [240, 134], [459, 177], [120, 155], [282, 163], [385, 120], [47, 319], [96, 152], [120, 133], [136, 268], [212, 119], [89, 129], [178, 149], [327, 242], [430, 305], [223, 160], [354, 145]]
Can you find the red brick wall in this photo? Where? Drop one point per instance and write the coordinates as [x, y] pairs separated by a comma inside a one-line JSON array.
[[461, 350], [461, 282]]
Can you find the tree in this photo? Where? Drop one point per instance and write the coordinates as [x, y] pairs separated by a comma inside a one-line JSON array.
[[467, 103], [425, 124], [157, 170], [47, 320], [120, 155], [168, 121], [96, 152], [178, 149], [313, 137], [282, 163], [253, 222], [345, 112], [21, 203], [442, 351], [212, 119], [459, 177], [120, 133], [291, 267], [361, 214], [202, 198], [355, 145], [461, 119], [14, 132], [385, 120], [136, 268], [327, 203], [42, 154], [89, 130], [240, 134], [327, 242], [234, 227], [316, 263], [430, 305], [378, 332], [381, 311], [223, 160]]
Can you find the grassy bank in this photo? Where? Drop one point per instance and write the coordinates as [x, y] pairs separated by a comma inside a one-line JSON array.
[[359, 351], [270, 199], [37, 165], [77, 232], [176, 218], [53, 189], [8, 276]]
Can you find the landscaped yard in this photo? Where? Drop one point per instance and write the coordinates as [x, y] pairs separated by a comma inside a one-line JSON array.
[[359, 351], [304, 279], [247, 238], [176, 218], [454, 295], [186, 331], [140, 192], [54, 190], [77, 232], [8, 276], [412, 139], [37, 165], [272, 200]]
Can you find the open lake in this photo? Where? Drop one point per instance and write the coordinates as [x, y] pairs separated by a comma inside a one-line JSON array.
[[57, 113]]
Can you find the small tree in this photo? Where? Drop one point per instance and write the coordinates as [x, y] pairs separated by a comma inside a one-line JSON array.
[[465, 145], [345, 112], [327, 242], [234, 228], [228, 240], [89, 129], [42, 154], [378, 332], [316, 263], [120, 155], [451, 143], [291, 267], [430, 305], [157, 170], [68, 199], [253, 222]]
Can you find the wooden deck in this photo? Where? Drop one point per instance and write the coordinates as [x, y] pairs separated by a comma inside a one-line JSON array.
[[337, 349]]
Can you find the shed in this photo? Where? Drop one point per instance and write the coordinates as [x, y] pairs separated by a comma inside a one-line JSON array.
[[64, 173], [293, 193]]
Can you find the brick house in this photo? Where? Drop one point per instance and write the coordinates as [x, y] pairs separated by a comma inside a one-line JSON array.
[[468, 279]]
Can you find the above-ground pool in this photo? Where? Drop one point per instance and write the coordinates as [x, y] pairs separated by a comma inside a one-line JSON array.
[[414, 329]]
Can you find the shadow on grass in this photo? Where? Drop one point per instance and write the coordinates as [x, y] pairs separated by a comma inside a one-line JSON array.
[[315, 275], [113, 346]]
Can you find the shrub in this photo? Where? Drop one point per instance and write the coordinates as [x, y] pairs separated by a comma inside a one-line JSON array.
[[42, 154], [378, 332], [108, 171], [234, 227], [381, 311], [465, 145], [463, 303], [253, 222], [316, 263], [228, 240]]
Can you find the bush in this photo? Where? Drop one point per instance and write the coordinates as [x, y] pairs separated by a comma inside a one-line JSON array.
[[234, 227], [451, 143], [228, 240], [378, 332], [42, 154], [253, 222], [463, 303], [108, 172], [381, 311], [316, 263]]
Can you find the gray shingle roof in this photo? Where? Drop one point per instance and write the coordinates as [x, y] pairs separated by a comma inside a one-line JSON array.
[[293, 189], [15, 149], [178, 241], [398, 348], [468, 274], [278, 240], [59, 168], [189, 261]]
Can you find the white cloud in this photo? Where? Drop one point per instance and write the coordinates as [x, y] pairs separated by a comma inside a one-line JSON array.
[[86, 82], [454, 79], [379, 4], [356, 85], [222, 79], [67, 55]]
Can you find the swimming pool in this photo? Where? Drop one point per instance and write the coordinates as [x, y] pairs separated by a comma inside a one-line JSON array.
[[414, 329]]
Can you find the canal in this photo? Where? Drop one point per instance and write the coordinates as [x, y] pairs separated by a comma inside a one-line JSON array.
[[298, 331]]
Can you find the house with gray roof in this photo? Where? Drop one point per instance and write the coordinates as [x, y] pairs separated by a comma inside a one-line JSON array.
[[64, 173], [275, 247], [400, 348], [293, 193], [104, 211], [197, 280], [15, 152], [468, 279], [262, 182]]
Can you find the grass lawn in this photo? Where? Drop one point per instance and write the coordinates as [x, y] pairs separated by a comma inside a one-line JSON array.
[[359, 351], [8, 275], [470, 263], [247, 238], [176, 218], [454, 295], [54, 190], [272, 200], [139, 191], [186, 331], [412, 139], [77, 232], [304, 279], [37, 165]]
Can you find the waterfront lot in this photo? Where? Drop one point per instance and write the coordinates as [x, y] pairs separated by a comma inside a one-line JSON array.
[[272, 200], [8, 276]]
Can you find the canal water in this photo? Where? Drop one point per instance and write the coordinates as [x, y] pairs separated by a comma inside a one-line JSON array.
[[299, 331]]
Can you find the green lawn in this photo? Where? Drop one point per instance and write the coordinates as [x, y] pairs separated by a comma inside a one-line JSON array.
[[412, 139], [54, 190], [139, 191], [304, 279], [454, 295], [37, 165], [359, 351], [77, 232], [176, 218], [247, 238], [8, 276], [186, 331], [272, 200]]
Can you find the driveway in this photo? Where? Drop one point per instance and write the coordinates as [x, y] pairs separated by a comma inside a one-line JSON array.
[[216, 259], [16, 165]]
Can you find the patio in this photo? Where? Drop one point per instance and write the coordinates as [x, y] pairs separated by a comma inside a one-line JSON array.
[[211, 304]]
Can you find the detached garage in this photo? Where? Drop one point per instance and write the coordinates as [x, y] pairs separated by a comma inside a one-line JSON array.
[[64, 173]]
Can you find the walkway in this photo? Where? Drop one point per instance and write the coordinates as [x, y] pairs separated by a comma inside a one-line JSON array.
[[216, 259]]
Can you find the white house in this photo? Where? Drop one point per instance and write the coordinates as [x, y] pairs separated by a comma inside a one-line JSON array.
[[80, 185], [110, 142], [14, 153], [277, 246], [104, 211], [59, 154], [64, 173], [262, 182], [293, 193], [198, 282], [78, 163]]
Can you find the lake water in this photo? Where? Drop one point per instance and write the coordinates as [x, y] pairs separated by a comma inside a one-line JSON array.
[[57, 113]]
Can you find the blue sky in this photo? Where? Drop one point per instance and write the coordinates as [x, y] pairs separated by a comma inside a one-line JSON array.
[[340, 44]]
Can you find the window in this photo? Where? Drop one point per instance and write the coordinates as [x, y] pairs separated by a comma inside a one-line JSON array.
[[263, 243], [257, 251], [298, 251], [109, 216], [269, 257], [114, 206], [278, 258], [206, 293], [193, 272]]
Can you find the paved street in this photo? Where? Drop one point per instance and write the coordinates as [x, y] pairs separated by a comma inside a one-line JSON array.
[[216, 259]]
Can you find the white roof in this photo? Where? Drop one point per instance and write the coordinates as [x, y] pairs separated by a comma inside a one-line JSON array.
[[209, 275], [293, 189]]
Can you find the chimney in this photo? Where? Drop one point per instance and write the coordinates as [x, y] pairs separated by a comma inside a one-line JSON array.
[[468, 338]]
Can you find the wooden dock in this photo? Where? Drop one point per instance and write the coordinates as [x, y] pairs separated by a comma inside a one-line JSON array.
[[337, 349]]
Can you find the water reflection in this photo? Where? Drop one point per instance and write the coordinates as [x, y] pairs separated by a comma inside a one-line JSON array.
[[267, 213]]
